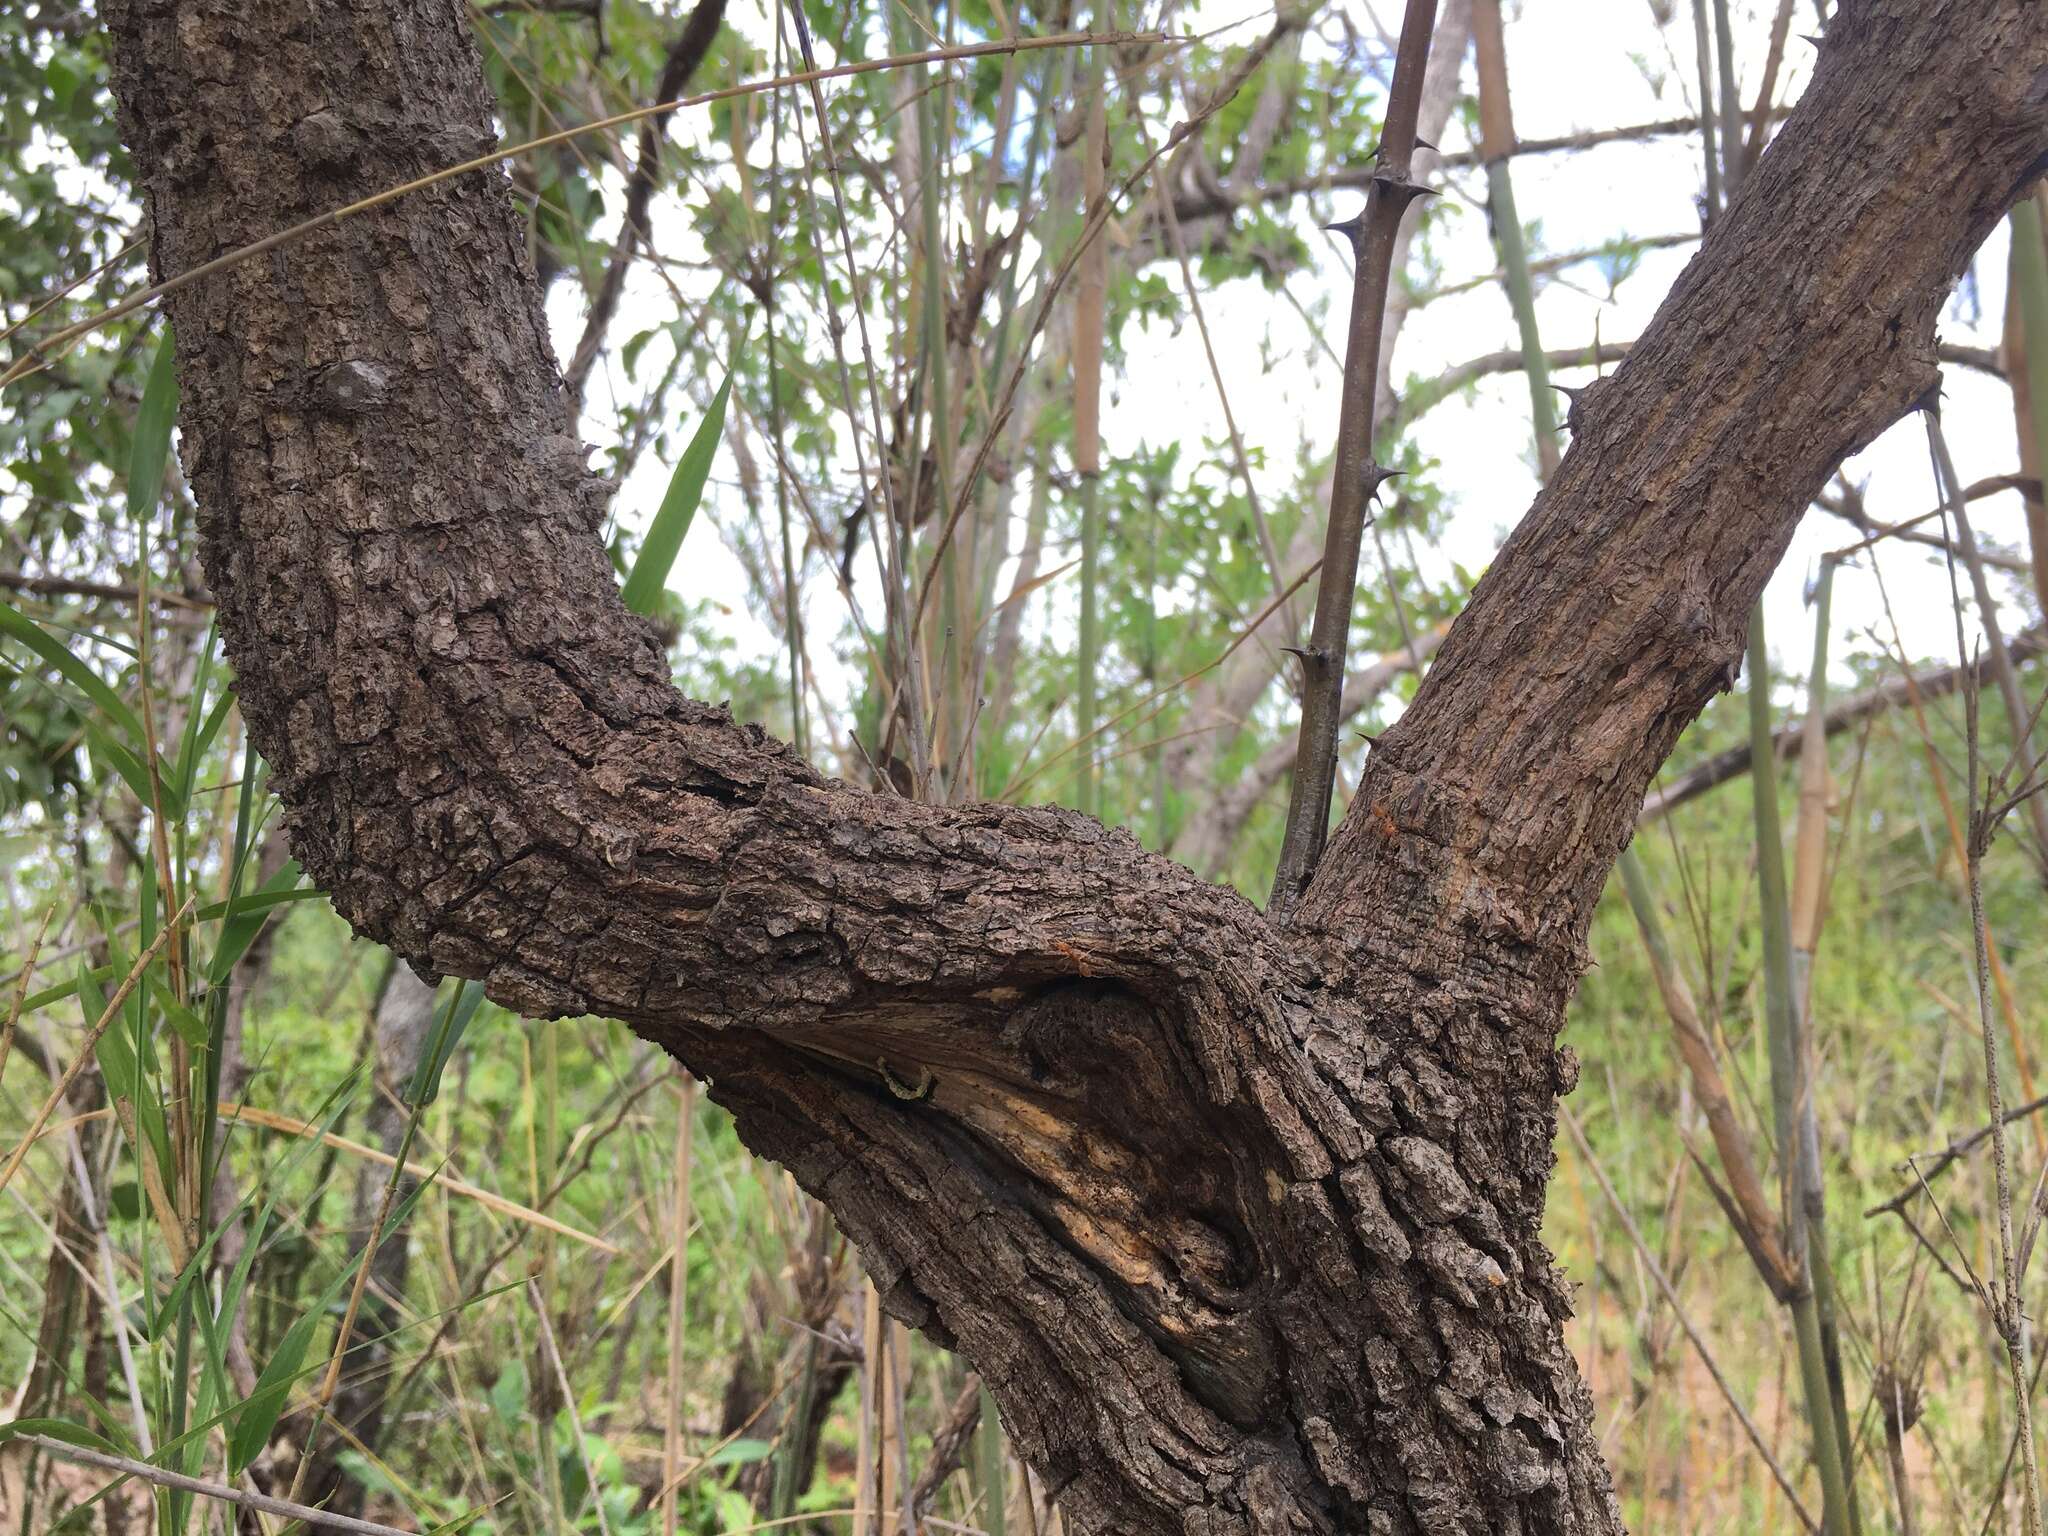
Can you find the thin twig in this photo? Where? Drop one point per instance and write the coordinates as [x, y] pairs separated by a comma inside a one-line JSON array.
[[1628, 1224], [28, 967], [595, 1488], [1937, 1162], [284, 1508], [1355, 477], [34, 357], [92, 1039], [1949, 485]]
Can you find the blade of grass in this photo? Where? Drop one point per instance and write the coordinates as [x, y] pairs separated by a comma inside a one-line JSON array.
[[678, 507], [85, 1050], [150, 450], [18, 626]]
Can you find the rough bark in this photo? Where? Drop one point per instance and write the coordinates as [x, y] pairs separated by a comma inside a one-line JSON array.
[[1240, 1226]]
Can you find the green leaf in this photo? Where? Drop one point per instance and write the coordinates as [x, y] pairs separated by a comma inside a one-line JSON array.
[[134, 772], [246, 916], [60, 1429], [685, 489], [115, 1051], [739, 1453], [152, 447], [18, 626], [201, 724], [261, 1409], [257, 901], [323, 1120], [441, 1043], [65, 989], [190, 1027]]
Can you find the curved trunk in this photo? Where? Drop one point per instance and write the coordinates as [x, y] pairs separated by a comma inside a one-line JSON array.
[[1239, 1225]]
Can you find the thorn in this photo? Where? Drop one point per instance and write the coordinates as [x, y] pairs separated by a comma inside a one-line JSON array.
[[1351, 227], [1369, 740], [1818, 42], [1580, 395], [1310, 655], [1375, 477], [1420, 143], [1929, 399], [1400, 189]]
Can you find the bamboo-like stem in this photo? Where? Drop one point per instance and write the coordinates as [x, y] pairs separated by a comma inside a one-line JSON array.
[[1774, 58], [866, 1517], [1086, 797], [2003, 673], [1805, 916], [2026, 363], [678, 1308], [1355, 477], [907, 689], [28, 968], [792, 605], [1497, 147], [547, 1159], [1762, 1237], [1098, 215], [2009, 1310], [1157, 751], [957, 619], [1091, 296], [994, 1468], [1781, 1025], [2001, 981], [1702, 49], [1731, 104]]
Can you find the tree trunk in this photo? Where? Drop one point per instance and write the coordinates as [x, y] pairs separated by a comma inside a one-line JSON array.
[[1239, 1224]]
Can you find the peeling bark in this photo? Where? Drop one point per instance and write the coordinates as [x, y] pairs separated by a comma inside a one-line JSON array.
[[1239, 1225]]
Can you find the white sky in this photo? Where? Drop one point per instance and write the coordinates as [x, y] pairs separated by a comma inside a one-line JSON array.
[[1577, 65]]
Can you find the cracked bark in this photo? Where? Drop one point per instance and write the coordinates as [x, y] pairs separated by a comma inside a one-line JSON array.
[[1239, 1225]]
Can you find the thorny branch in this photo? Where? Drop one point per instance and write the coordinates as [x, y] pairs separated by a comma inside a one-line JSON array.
[[1357, 477]]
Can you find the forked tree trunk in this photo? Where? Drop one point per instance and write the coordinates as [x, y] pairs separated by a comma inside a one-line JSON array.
[[1239, 1224]]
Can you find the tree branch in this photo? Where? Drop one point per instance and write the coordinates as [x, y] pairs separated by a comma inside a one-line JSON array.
[[691, 44], [1242, 1232], [1788, 740], [1618, 607]]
